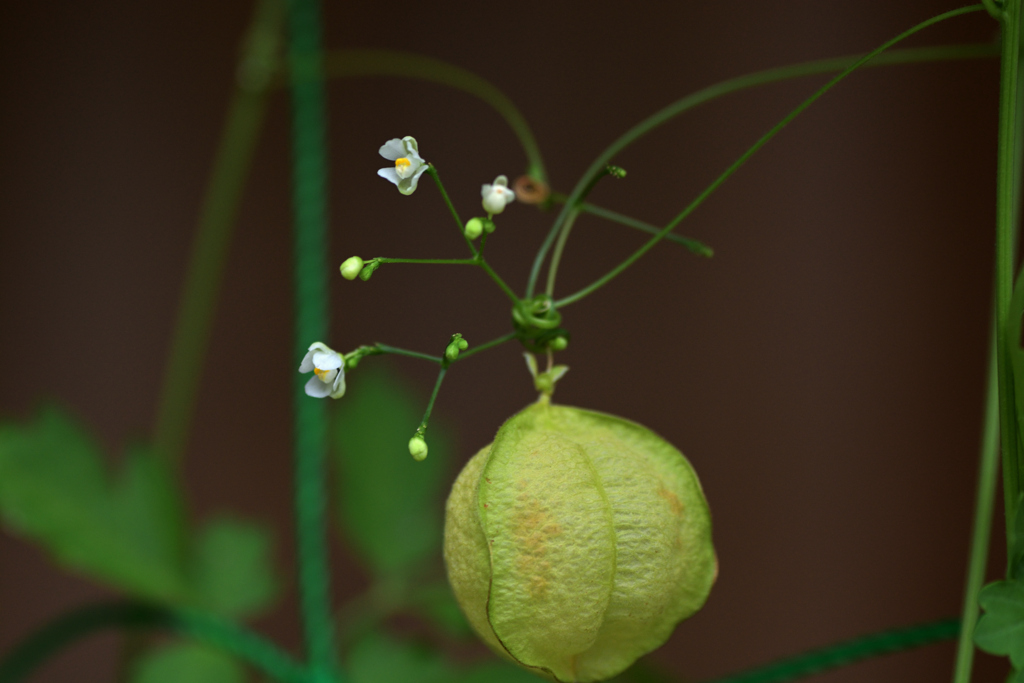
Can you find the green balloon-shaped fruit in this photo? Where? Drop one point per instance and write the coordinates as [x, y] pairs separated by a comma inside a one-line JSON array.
[[577, 541]]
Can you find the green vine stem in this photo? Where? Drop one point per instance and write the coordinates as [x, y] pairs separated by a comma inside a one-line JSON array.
[[981, 533], [309, 133], [607, 277], [758, 78], [556, 255], [1006, 333], [988, 467], [68, 628], [213, 236], [451, 207], [695, 246], [347, 63], [850, 652]]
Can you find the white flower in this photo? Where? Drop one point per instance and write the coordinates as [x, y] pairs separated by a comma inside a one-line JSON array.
[[496, 196], [409, 165], [328, 368]]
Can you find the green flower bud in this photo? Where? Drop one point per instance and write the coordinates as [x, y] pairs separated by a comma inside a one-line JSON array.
[[418, 448], [351, 268], [456, 345], [558, 344], [576, 541], [474, 228]]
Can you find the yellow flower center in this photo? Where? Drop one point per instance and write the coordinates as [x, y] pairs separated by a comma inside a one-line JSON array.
[[322, 374], [402, 164]]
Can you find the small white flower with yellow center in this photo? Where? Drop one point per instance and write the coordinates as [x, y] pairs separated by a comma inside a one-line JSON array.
[[497, 195], [328, 368], [409, 165]]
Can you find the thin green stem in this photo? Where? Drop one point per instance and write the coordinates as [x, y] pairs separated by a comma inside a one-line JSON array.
[[477, 260], [497, 279], [385, 348], [486, 345], [988, 468], [455, 214], [993, 9], [252, 649], [1005, 247], [309, 142], [988, 473], [907, 56], [695, 246], [844, 654], [433, 397], [213, 234], [600, 282], [345, 63], [445, 261], [556, 255]]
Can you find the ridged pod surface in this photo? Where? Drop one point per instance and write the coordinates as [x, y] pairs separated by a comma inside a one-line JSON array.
[[577, 541]]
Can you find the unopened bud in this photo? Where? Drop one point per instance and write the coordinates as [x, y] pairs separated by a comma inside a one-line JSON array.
[[455, 345], [474, 228], [616, 171], [558, 344], [351, 268], [418, 448]]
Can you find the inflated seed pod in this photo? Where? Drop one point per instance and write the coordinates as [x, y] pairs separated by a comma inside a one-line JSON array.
[[577, 541]]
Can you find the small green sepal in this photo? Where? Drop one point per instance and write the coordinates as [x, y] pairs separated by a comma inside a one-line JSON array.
[[368, 270]]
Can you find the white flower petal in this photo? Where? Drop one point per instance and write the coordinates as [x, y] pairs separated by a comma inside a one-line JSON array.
[[316, 388], [412, 148], [307, 364], [392, 149], [389, 174], [408, 185], [338, 388], [485, 190], [501, 180], [327, 360]]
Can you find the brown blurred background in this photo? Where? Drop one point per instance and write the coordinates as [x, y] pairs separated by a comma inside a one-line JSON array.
[[823, 372]]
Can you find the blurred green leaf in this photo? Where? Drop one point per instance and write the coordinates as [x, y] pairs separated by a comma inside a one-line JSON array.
[[437, 603], [231, 567], [378, 658], [121, 530], [1000, 630], [187, 663], [388, 504]]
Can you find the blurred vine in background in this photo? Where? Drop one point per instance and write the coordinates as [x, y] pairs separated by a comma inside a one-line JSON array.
[[128, 526]]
